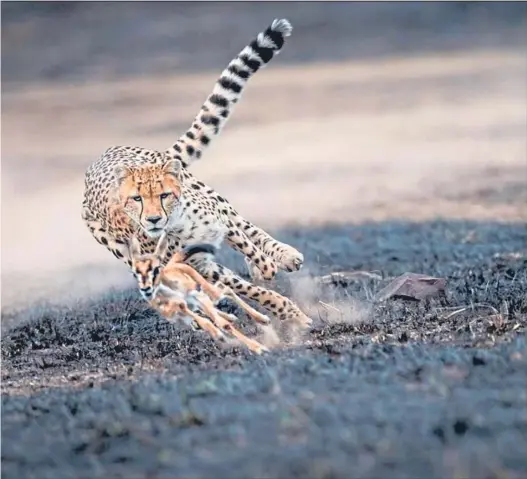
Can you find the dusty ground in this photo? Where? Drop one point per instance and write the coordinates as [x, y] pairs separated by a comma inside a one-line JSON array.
[[393, 390], [383, 152]]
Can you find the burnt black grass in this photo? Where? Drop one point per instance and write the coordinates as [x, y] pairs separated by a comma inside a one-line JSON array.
[[394, 389]]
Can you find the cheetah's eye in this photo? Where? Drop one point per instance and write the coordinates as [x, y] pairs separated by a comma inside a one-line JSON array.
[[164, 195], [136, 198], [156, 271]]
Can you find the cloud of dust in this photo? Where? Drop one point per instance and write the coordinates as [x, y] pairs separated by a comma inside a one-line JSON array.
[[268, 336], [328, 305], [48, 254], [324, 305]]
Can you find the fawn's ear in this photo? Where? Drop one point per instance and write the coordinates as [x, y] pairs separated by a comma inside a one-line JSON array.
[[172, 167], [134, 248], [162, 245]]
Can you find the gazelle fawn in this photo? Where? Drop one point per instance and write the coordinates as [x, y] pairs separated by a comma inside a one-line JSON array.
[[178, 291]]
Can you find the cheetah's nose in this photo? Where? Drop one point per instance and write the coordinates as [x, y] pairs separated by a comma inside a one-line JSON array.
[[153, 219]]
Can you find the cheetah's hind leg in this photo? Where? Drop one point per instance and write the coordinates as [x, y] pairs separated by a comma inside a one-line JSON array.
[[276, 304], [251, 312]]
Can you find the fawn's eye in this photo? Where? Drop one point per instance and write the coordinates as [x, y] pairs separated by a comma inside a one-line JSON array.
[[164, 195], [136, 198]]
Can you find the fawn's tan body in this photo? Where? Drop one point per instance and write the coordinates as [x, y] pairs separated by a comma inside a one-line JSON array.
[[178, 291]]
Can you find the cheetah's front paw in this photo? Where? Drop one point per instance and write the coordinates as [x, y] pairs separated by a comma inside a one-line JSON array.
[[290, 259]]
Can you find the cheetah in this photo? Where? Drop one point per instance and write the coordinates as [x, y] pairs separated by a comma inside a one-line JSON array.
[[132, 191], [177, 290]]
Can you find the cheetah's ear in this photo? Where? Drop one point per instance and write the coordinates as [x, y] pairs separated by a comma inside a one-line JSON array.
[[121, 172], [172, 167], [134, 248], [162, 245]]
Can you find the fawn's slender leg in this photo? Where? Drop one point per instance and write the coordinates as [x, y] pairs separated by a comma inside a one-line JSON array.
[[220, 321], [206, 325], [217, 292], [227, 316], [250, 343], [178, 306]]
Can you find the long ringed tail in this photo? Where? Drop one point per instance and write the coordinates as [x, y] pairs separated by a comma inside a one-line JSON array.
[[227, 91]]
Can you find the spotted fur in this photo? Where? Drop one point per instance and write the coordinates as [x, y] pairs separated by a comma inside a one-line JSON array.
[[133, 191]]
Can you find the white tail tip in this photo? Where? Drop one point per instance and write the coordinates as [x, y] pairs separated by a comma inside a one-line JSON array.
[[283, 26]]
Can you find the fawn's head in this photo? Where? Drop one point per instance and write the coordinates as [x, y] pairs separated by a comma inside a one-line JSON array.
[[147, 267]]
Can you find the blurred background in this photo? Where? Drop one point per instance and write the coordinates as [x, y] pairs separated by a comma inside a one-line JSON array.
[[373, 111]]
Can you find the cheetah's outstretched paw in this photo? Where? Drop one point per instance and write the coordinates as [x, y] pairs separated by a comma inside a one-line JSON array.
[[290, 259]]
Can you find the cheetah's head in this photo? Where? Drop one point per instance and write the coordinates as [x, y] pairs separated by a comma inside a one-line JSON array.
[[149, 193], [147, 267]]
